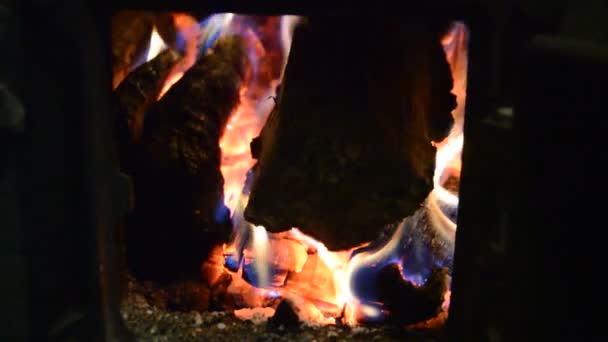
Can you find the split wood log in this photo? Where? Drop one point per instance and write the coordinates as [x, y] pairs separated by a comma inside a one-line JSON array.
[[179, 212], [133, 97], [348, 148]]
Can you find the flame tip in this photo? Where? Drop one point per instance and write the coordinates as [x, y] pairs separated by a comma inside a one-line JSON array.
[[328, 293]]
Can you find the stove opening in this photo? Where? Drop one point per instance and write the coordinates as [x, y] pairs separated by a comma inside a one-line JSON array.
[[290, 175]]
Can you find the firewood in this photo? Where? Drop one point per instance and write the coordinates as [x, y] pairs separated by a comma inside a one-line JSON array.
[[131, 32], [179, 212], [348, 148], [133, 97], [407, 303]]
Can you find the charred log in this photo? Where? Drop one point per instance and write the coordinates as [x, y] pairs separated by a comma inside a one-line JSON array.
[[348, 148], [179, 213], [408, 303], [131, 32], [133, 97]]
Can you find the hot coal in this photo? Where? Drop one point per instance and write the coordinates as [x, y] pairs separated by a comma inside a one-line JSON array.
[[179, 213], [149, 322], [348, 148]]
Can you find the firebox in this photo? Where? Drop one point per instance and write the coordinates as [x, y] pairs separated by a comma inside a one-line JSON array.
[[330, 191], [278, 171]]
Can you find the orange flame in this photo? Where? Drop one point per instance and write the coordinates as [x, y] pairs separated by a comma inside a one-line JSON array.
[[245, 124], [449, 151], [187, 26], [316, 280]]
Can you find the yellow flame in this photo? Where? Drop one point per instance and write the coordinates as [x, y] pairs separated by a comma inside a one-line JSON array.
[[447, 154], [366, 259], [288, 25], [261, 249], [336, 261], [244, 125], [189, 29], [449, 150], [157, 45]]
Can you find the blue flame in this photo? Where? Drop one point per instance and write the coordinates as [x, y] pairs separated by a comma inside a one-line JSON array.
[[231, 262], [418, 250], [273, 294], [221, 213], [211, 29], [418, 244]]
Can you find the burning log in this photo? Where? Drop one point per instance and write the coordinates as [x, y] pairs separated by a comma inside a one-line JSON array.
[[133, 97], [348, 148], [131, 32], [407, 303], [130, 38], [179, 213]]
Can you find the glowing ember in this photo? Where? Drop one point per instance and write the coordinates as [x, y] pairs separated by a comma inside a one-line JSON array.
[[255, 315], [294, 266]]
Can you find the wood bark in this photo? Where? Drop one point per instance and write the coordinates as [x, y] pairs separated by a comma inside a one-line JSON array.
[[179, 212], [131, 33], [348, 148], [131, 30], [133, 97]]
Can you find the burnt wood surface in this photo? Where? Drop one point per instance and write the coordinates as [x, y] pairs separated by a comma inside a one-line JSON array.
[[407, 303], [179, 212], [132, 98], [348, 148], [130, 36], [131, 33]]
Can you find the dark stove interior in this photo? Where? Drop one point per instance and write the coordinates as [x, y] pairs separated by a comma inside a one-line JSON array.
[[108, 239]]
